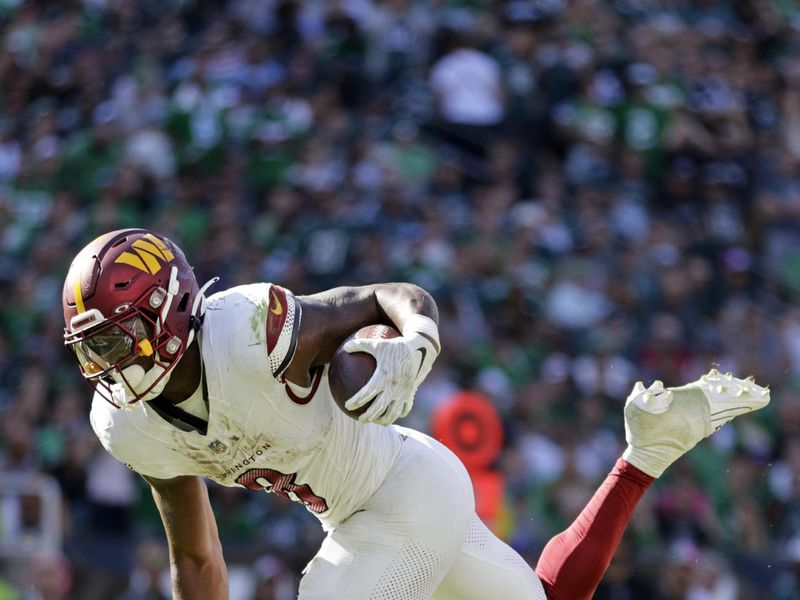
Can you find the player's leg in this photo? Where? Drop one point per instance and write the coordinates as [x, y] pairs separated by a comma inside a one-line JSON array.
[[660, 426], [573, 562], [487, 569], [407, 536]]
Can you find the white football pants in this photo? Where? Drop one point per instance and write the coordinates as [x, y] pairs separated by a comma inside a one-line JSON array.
[[418, 538]]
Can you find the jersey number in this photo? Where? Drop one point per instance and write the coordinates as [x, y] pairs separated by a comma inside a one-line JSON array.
[[283, 485]]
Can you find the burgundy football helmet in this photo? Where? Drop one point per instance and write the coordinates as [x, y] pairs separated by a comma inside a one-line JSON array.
[[130, 294]]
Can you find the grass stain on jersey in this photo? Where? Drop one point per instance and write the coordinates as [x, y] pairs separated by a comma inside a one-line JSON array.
[[258, 321]]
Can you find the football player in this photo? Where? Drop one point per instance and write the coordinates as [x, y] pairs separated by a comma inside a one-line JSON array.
[[233, 388]]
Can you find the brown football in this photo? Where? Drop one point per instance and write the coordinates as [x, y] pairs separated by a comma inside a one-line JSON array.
[[348, 372]]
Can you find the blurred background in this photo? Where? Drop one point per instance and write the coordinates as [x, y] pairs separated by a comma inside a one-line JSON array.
[[594, 192]]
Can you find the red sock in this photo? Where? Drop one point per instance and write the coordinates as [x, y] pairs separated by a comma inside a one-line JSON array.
[[573, 562]]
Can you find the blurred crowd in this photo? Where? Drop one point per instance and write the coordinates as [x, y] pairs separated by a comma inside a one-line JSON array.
[[594, 192]]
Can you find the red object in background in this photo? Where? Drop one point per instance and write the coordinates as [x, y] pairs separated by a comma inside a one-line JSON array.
[[469, 424], [490, 489]]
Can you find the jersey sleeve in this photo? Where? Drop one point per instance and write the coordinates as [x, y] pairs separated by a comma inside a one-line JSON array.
[[251, 321], [282, 325]]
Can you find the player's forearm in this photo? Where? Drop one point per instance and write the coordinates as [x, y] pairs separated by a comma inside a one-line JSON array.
[[195, 552], [199, 579]]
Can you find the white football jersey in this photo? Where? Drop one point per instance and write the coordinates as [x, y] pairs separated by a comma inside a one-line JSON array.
[[261, 434]]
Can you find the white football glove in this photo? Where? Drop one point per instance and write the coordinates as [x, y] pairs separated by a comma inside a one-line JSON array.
[[402, 363]]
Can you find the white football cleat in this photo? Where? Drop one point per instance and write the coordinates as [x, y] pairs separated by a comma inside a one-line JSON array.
[[662, 424]]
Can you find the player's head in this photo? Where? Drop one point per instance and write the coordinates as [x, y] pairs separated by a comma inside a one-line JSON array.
[[131, 309]]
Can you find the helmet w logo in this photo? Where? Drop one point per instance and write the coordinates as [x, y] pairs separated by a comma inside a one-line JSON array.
[[148, 256]]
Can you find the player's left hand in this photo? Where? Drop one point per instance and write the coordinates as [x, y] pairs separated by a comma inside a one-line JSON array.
[[402, 364]]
